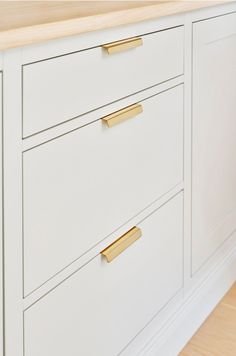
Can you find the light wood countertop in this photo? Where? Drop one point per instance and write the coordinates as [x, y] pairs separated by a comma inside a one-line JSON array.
[[28, 22]]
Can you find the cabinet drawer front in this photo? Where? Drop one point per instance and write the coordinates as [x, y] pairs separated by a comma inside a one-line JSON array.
[[59, 89], [98, 310], [81, 187]]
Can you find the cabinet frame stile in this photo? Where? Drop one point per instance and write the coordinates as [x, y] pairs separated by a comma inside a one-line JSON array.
[[12, 198]]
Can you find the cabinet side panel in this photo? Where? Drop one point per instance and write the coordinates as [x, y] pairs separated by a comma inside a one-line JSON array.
[[1, 228]]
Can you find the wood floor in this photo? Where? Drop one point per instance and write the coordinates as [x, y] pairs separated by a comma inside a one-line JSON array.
[[217, 336]]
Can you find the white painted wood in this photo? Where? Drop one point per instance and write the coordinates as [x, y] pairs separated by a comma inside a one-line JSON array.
[[66, 45], [92, 116], [213, 113], [171, 329], [187, 152], [58, 47], [84, 185], [87, 257], [87, 314], [213, 11], [210, 265], [1, 231], [214, 144], [12, 198], [156, 325], [62, 88], [192, 281], [186, 320]]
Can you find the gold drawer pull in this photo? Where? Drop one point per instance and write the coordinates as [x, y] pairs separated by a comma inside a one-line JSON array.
[[121, 244], [122, 115], [123, 45]]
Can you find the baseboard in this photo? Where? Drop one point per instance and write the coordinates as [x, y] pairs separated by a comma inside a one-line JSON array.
[[171, 339]]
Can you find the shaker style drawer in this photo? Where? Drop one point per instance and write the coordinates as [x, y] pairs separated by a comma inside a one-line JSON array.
[[59, 89], [82, 186], [99, 309]]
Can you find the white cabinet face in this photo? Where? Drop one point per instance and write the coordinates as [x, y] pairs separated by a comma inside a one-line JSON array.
[[93, 175], [1, 242], [214, 136], [103, 306], [64, 87]]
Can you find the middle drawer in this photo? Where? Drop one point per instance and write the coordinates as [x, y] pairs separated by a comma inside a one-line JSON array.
[[80, 187]]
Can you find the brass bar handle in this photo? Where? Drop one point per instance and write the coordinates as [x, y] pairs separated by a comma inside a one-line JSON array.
[[123, 45], [122, 115], [121, 244]]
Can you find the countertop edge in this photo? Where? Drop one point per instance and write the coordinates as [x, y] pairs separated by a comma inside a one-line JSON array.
[[50, 31]]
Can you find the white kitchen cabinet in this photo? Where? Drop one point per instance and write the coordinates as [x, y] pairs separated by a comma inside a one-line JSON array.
[[96, 302], [1, 231], [59, 89], [98, 174], [103, 144], [214, 136]]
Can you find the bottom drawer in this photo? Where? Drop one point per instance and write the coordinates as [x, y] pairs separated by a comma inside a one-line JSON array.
[[99, 309]]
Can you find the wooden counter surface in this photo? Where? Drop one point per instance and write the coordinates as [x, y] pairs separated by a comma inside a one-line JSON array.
[[28, 22]]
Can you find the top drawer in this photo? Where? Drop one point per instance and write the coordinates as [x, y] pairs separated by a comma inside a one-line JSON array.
[[59, 89]]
